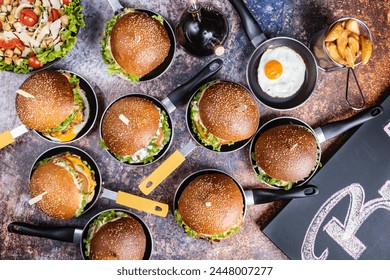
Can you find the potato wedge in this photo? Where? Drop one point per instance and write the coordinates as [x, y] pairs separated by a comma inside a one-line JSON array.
[[353, 45], [353, 26], [334, 54], [366, 46], [354, 35], [335, 32], [342, 42], [349, 57]]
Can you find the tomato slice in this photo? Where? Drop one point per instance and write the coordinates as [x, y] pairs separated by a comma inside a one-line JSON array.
[[160, 138], [54, 15], [28, 17], [34, 62], [1, 1], [84, 182], [12, 44], [66, 2]]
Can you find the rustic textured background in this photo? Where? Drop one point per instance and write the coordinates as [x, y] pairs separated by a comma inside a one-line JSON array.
[[298, 19]]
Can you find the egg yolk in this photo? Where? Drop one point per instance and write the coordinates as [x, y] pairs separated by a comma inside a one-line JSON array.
[[273, 69]]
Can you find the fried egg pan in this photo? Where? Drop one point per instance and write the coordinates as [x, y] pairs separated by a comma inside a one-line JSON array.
[[179, 156], [173, 100], [321, 134], [159, 70], [9, 136], [260, 42], [76, 235], [249, 197], [120, 197]]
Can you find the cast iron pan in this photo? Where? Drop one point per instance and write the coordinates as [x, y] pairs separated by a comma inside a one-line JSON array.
[[321, 134], [249, 197], [8, 137], [118, 9], [260, 42], [74, 234], [178, 157], [121, 198], [175, 99]]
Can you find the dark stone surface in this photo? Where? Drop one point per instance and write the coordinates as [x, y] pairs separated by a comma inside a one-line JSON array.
[[298, 19]]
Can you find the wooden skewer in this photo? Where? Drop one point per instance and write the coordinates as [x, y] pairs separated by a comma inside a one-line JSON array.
[[37, 198], [25, 93], [124, 119]]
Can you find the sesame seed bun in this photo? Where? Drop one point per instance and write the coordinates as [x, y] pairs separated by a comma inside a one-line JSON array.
[[286, 152], [53, 100], [63, 198], [229, 112], [211, 204], [144, 119], [122, 239], [139, 43]]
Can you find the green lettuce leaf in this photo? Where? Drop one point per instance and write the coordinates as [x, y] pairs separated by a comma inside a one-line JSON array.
[[159, 18], [194, 234], [113, 67]]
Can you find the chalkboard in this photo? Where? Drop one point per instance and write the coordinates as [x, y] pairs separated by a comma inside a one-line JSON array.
[[350, 217]]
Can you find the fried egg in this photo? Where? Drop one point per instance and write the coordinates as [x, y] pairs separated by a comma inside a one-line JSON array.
[[281, 72]]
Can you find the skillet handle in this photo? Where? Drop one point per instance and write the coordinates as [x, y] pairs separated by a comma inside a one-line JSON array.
[[260, 196], [333, 129], [251, 27], [166, 168], [66, 234], [142, 204], [116, 6], [182, 94], [8, 137]]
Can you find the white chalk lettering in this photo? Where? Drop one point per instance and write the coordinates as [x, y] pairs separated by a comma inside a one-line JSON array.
[[344, 233], [387, 129]]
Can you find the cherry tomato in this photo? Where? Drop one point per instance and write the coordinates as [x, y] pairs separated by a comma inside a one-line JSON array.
[[66, 2], [11, 44], [53, 15], [1, 1], [34, 62], [28, 17]]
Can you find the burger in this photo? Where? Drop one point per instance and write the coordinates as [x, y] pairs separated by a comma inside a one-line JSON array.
[[66, 183], [223, 113], [210, 207], [134, 43], [115, 235], [53, 104], [285, 154], [134, 130]]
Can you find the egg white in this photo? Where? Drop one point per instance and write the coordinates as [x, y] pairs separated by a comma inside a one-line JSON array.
[[292, 77]]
